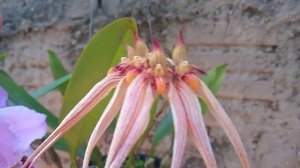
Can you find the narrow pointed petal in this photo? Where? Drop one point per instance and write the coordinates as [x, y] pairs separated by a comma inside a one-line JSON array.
[[93, 97], [107, 117], [128, 114], [221, 116], [196, 125], [136, 131], [180, 125]]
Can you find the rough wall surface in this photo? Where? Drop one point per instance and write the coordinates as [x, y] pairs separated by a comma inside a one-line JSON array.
[[259, 39]]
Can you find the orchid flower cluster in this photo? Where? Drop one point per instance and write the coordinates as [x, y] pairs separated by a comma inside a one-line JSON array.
[[19, 127], [140, 78]]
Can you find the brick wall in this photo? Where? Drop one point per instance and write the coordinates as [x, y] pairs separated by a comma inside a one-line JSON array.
[[260, 40]]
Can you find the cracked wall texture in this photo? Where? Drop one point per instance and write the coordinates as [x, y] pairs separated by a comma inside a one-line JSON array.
[[259, 39]]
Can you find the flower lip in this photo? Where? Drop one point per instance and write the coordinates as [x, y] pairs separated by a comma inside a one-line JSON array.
[[192, 81], [160, 85]]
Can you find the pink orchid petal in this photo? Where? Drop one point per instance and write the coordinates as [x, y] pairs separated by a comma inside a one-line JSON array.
[[17, 134], [179, 119], [137, 130], [34, 128], [10, 154], [129, 112], [93, 97], [3, 96], [221, 116], [196, 125], [107, 117]]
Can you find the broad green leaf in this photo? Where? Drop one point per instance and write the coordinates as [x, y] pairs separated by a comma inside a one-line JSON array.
[[58, 70], [51, 86], [213, 80], [20, 97], [102, 52]]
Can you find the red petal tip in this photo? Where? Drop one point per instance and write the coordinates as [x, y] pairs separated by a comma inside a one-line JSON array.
[[180, 38], [155, 43], [201, 72], [136, 37]]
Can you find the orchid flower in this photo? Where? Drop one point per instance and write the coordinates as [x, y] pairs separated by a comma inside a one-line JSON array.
[[19, 127], [140, 78]]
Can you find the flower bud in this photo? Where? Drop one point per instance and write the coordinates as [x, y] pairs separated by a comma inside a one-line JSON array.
[[140, 47], [179, 52]]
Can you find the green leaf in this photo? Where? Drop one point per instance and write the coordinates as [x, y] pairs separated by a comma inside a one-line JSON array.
[[2, 57], [102, 52], [51, 86], [19, 96], [213, 80], [96, 159], [164, 128], [58, 70]]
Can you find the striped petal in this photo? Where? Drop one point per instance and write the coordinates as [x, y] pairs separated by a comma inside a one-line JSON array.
[[132, 104], [93, 97], [137, 129], [196, 125], [221, 116], [108, 115], [179, 119]]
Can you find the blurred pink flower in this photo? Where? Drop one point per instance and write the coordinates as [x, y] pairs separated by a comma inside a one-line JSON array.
[[19, 127], [3, 98]]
